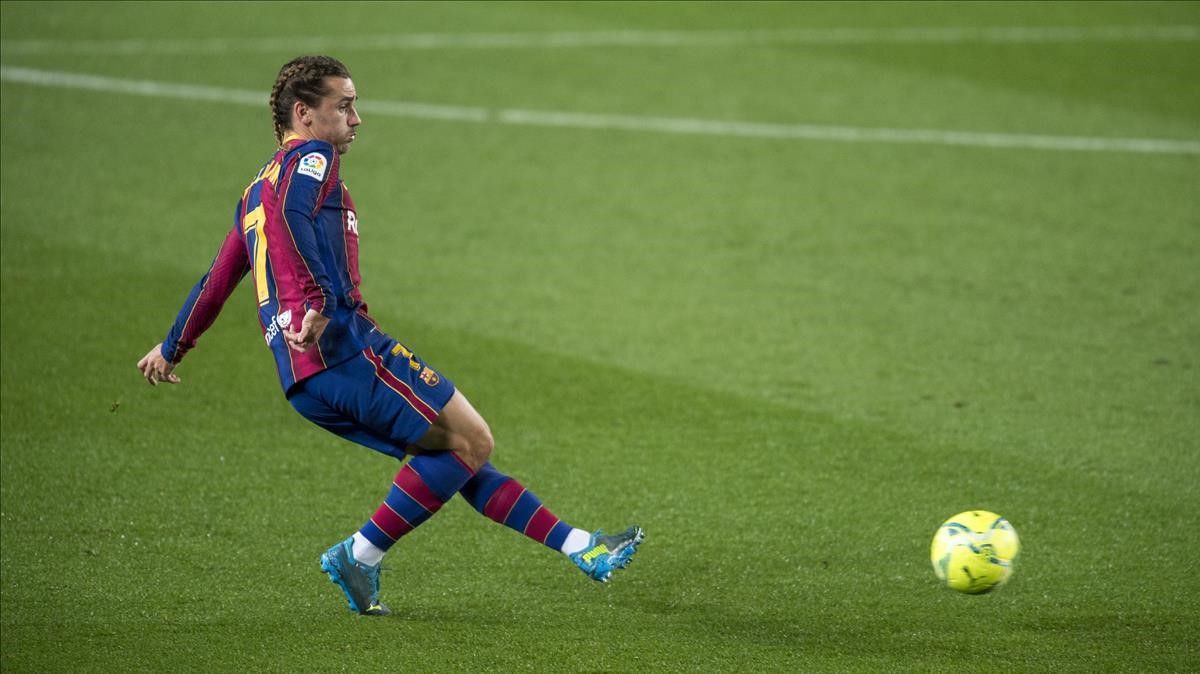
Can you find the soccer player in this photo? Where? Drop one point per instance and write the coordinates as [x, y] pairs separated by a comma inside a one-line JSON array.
[[295, 231]]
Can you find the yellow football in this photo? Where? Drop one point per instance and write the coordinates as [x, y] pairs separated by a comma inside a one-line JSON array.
[[973, 551]]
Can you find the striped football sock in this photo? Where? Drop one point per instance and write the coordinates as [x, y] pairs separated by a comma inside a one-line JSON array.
[[504, 500], [419, 490]]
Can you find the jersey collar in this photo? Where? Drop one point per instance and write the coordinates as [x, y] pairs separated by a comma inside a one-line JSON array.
[[288, 140]]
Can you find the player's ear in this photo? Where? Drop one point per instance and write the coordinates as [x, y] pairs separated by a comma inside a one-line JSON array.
[[301, 113]]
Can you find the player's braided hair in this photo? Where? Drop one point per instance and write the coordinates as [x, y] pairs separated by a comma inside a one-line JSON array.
[[301, 79]]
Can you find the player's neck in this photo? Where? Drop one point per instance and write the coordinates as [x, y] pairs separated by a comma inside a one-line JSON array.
[[294, 135]]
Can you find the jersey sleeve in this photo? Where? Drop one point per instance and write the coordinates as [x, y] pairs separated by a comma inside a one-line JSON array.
[[204, 303], [308, 181]]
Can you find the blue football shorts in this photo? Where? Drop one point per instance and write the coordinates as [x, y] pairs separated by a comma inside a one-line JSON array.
[[385, 398]]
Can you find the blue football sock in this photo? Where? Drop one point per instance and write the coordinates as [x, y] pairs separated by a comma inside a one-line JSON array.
[[504, 500], [421, 487]]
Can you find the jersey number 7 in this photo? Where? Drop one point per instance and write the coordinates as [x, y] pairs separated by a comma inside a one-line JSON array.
[[254, 222]]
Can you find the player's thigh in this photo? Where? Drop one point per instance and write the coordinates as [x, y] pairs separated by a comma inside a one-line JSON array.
[[459, 427], [321, 414], [406, 396], [388, 393]]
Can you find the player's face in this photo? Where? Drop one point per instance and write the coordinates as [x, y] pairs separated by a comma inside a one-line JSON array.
[[336, 118]]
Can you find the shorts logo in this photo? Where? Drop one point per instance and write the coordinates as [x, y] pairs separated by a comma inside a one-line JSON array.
[[312, 165], [430, 377], [285, 319]]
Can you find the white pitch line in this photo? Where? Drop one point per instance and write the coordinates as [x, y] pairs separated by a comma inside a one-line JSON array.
[[200, 92], [849, 134], [578, 120], [613, 38]]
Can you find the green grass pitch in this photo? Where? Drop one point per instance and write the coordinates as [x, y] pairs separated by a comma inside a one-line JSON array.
[[789, 359]]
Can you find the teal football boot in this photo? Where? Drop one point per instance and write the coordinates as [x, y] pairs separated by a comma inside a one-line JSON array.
[[605, 554], [359, 582]]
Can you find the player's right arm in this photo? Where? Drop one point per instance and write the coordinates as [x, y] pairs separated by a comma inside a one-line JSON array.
[[201, 308], [295, 238]]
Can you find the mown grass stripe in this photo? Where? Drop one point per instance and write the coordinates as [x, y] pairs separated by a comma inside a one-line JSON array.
[[583, 120]]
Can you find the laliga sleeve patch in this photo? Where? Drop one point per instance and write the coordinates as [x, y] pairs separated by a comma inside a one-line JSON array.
[[312, 165]]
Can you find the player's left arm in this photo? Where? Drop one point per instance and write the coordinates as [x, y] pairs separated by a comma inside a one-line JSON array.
[[199, 310]]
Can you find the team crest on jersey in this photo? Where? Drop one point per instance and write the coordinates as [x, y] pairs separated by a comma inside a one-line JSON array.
[[284, 319], [429, 376], [312, 165]]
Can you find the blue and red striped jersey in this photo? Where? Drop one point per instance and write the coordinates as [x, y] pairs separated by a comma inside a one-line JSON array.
[[295, 231]]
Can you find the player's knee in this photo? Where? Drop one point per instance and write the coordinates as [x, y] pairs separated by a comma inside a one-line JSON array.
[[475, 446], [482, 443]]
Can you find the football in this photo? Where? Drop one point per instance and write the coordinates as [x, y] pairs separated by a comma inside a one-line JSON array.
[[973, 551]]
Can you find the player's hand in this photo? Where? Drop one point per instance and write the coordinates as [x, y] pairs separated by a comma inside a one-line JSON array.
[[155, 368], [310, 331]]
